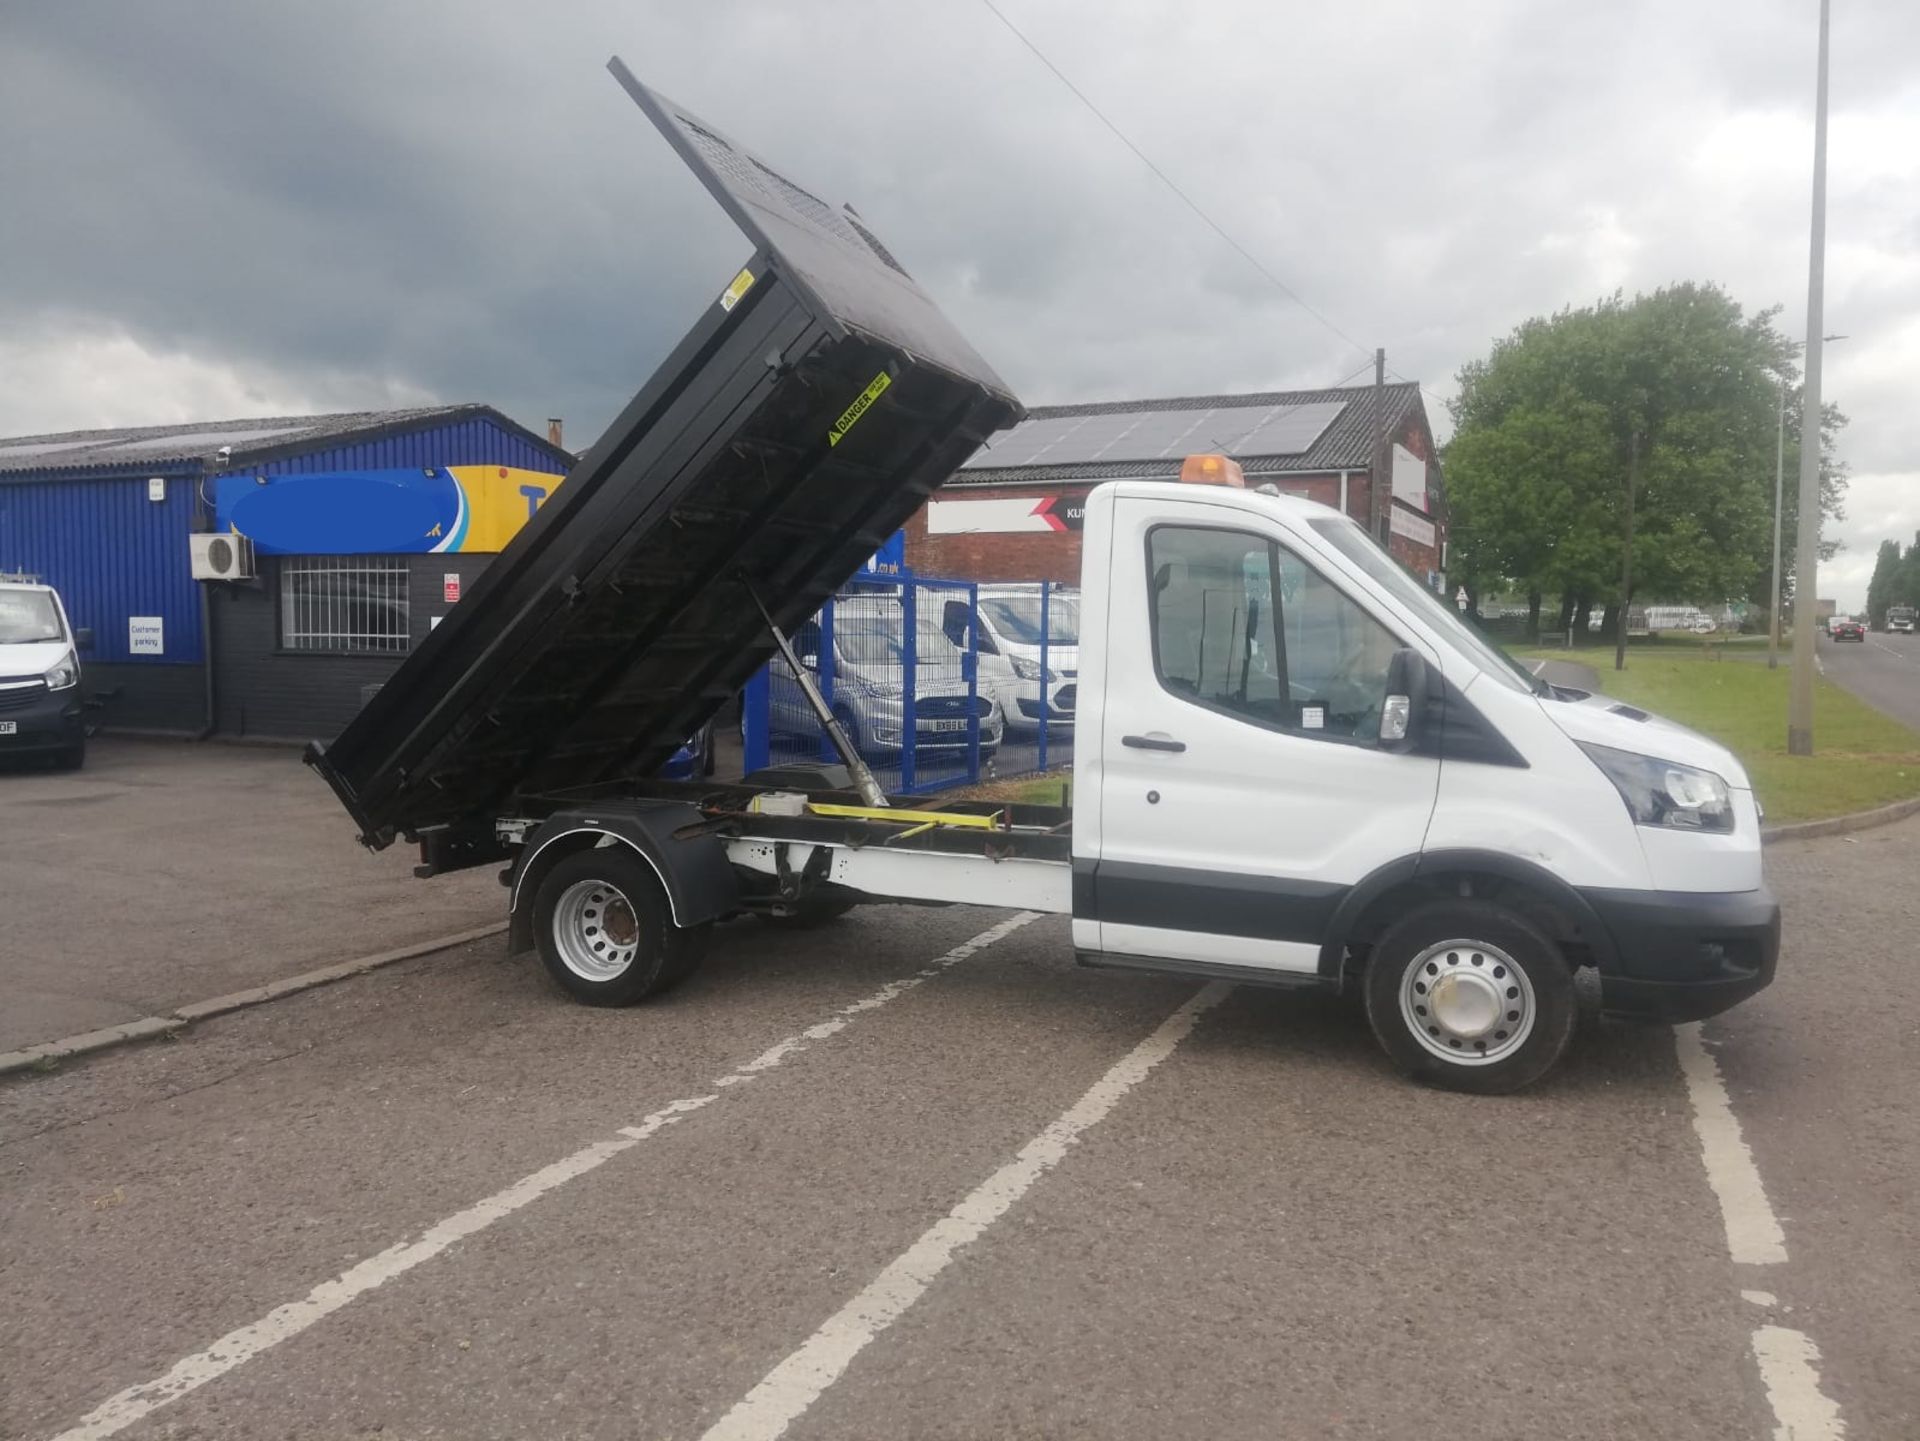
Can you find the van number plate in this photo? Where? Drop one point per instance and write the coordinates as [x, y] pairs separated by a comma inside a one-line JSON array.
[[7, 728], [946, 725]]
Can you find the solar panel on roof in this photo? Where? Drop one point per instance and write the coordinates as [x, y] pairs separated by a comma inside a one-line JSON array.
[[1136, 435], [1291, 431]]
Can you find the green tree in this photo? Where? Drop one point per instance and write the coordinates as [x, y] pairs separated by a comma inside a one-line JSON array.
[[1546, 425], [1881, 589]]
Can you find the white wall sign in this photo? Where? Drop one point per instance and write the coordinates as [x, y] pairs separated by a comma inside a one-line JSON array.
[[1040, 513], [146, 635], [1421, 532], [156, 487], [1409, 477]]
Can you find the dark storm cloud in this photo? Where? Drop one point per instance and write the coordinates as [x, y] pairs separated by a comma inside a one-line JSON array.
[[456, 198]]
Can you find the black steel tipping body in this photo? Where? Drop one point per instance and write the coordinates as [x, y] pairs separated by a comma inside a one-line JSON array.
[[816, 403]]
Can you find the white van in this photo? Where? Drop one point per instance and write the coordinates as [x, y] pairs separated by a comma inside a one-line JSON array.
[[869, 686], [40, 692]]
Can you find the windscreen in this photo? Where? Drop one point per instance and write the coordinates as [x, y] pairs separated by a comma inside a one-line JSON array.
[[878, 638], [1353, 542], [1017, 618], [27, 616]]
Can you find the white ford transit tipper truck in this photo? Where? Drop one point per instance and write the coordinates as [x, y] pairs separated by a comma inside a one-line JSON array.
[[1295, 767]]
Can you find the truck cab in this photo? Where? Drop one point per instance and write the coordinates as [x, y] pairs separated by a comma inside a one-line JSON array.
[[1294, 758], [40, 681]]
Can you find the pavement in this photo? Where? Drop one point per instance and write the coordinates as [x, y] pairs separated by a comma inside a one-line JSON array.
[[917, 1175], [166, 873]]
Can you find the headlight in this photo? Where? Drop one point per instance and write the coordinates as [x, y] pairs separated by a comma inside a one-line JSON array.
[[1665, 793], [1028, 669], [65, 674]]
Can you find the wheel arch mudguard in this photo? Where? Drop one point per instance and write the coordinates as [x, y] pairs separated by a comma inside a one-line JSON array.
[[1429, 865], [693, 870]]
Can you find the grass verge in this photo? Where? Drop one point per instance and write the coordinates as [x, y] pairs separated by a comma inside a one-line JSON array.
[[1047, 790], [1864, 759]]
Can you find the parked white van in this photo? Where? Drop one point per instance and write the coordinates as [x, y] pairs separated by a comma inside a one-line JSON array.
[[40, 692]]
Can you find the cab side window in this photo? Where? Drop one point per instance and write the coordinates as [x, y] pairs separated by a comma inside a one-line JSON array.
[[1214, 639], [1244, 626]]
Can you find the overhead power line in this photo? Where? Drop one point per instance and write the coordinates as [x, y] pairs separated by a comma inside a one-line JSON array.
[[1168, 181]]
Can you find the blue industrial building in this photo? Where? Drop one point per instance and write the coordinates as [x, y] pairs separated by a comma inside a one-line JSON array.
[[363, 528]]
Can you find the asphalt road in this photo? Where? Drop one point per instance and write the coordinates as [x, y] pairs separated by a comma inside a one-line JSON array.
[[873, 1181], [1883, 670], [165, 873]]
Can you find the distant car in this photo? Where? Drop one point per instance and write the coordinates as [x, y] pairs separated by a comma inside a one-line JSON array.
[[869, 655], [1848, 630], [1703, 626], [694, 760], [40, 682]]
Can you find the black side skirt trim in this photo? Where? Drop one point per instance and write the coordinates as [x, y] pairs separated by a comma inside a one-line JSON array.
[[1263, 908]]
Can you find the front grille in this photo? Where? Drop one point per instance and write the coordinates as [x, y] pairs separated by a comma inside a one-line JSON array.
[[24, 696], [944, 707]]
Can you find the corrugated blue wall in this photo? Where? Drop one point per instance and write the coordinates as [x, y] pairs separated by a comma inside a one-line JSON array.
[[469, 442], [111, 553]]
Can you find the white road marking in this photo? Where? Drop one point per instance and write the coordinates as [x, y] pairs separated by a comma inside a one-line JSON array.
[[1801, 1410], [236, 1348], [1788, 1362], [786, 1391], [1754, 1237]]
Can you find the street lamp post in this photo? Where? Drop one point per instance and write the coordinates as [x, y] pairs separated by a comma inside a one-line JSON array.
[[1806, 586], [1779, 485]]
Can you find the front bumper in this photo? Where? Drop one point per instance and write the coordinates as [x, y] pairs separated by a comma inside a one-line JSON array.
[[1683, 957], [50, 721]]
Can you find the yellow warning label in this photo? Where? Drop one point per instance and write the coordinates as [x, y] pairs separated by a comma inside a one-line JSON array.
[[730, 297], [860, 405]]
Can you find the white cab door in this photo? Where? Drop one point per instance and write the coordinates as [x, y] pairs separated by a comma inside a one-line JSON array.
[[1243, 787]]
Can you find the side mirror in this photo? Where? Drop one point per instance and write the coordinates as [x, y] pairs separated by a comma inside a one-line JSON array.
[[1405, 702], [83, 638]]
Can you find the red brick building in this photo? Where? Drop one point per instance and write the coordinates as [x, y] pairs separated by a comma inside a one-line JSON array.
[[1013, 512]]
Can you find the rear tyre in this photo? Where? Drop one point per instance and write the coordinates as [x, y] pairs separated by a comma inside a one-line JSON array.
[[1471, 996], [605, 932]]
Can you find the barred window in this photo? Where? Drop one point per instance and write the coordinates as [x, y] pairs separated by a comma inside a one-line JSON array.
[[344, 603]]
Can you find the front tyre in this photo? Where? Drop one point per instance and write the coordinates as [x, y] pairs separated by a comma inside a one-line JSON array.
[[605, 932], [1471, 996]]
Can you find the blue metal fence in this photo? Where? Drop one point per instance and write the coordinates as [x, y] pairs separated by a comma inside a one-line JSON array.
[[895, 662], [937, 683]]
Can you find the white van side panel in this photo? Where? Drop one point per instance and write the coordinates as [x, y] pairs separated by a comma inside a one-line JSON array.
[[1559, 812]]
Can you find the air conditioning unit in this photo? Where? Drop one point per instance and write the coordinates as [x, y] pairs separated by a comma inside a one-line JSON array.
[[222, 557]]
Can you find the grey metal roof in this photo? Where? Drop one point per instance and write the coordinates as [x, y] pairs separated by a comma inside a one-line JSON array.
[[256, 438], [1344, 444]]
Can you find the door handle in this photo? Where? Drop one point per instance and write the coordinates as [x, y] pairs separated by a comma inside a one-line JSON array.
[[1153, 743]]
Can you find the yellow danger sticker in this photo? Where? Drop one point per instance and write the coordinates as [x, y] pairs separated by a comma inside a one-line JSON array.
[[730, 297], [861, 403]]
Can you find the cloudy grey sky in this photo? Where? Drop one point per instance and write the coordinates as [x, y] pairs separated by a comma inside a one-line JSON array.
[[215, 209]]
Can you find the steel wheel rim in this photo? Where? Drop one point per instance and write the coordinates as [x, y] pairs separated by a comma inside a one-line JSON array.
[[1467, 1002], [596, 931]]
